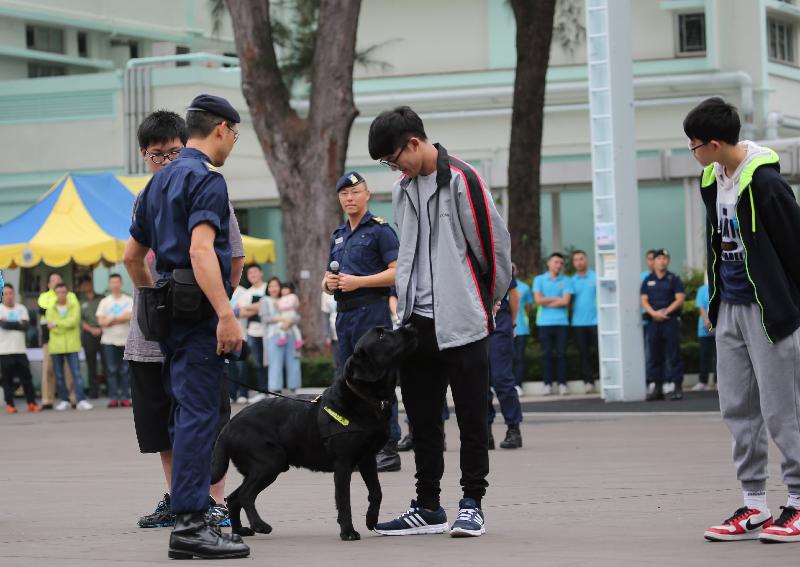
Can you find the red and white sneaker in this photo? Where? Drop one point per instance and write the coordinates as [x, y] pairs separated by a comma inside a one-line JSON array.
[[746, 523], [785, 530]]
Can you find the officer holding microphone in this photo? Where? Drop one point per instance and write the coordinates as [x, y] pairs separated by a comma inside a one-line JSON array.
[[361, 268], [183, 216]]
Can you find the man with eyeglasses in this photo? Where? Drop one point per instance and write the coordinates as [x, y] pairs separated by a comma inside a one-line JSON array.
[[365, 247], [183, 216]]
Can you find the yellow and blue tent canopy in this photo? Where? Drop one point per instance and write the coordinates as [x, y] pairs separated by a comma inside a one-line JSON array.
[[85, 219]]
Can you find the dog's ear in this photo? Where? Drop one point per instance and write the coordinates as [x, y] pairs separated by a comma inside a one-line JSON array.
[[359, 368]]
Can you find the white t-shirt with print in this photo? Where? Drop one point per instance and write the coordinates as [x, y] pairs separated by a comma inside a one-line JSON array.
[[11, 341], [252, 296], [110, 306]]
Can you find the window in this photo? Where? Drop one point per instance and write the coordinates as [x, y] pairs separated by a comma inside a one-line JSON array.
[[83, 45], [182, 50], [780, 41], [134, 50], [44, 39], [691, 34], [36, 70]]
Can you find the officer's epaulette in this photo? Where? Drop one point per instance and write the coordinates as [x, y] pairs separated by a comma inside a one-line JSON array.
[[379, 220], [211, 167]]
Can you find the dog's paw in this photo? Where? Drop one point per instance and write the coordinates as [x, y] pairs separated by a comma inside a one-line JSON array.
[[244, 531], [350, 535], [372, 520], [262, 527]]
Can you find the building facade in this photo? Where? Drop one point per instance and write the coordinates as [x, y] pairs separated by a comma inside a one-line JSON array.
[[74, 77]]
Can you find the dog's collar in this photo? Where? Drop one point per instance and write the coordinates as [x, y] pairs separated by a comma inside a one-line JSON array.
[[381, 405]]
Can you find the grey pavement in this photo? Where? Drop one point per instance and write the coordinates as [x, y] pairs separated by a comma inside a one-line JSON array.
[[587, 489]]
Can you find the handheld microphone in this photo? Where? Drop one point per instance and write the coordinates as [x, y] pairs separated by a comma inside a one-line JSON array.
[[334, 268]]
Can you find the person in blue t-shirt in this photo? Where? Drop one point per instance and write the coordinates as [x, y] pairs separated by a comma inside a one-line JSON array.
[[705, 338], [584, 316], [552, 292], [662, 296], [522, 329]]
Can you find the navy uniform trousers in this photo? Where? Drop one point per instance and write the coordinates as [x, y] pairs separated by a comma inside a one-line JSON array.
[[351, 326], [193, 374], [501, 375], [664, 351]]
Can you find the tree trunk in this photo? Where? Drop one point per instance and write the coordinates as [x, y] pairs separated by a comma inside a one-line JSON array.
[[534, 34], [306, 155]]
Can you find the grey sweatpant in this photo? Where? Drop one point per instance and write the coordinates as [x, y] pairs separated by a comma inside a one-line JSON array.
[[759, 384]]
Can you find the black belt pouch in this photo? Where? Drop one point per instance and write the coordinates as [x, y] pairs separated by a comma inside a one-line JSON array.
[[153, 311], [189, 303]]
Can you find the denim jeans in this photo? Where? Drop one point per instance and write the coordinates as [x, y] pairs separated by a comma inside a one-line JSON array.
[[554, 345], [119, 382], [70, 358], [256, 346], [280, 358]]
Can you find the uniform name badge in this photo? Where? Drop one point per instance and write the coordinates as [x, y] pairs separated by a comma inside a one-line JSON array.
[[651, 283], [339, 240]]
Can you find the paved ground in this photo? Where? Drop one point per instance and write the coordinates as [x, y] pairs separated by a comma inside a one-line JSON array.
[[587, 489]]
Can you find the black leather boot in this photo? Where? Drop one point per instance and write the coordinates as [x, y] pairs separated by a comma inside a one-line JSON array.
[[406, 443], [193, 537], [656, 394], [513, 438], [388, 458]]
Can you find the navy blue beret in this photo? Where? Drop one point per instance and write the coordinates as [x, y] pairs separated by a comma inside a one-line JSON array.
[[349, 179], [215, 105]]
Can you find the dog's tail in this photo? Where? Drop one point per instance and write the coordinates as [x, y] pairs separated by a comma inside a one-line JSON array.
[[220, 459]]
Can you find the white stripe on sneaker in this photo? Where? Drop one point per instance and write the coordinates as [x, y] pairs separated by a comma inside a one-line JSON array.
[[411, 521]]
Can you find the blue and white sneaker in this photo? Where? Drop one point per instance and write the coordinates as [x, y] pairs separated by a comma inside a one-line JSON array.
[[217, 514], [470, 522], [416, 520]]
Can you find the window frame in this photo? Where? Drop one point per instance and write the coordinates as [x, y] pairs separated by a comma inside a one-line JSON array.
[[789, 30], [679, 33]]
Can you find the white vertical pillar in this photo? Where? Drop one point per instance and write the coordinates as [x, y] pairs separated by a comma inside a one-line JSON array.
[[616, 199]]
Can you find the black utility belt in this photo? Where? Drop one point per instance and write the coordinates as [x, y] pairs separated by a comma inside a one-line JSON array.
[[175, 297], [345, 305]]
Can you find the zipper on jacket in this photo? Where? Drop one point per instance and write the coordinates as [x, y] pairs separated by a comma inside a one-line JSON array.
[[413, 260], [747, 269], [713, 271], [430, 248]]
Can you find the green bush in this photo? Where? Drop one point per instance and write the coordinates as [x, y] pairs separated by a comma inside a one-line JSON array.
[[317, 371]]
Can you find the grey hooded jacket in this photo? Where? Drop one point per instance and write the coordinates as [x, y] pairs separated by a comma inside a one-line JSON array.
[[470, 252]]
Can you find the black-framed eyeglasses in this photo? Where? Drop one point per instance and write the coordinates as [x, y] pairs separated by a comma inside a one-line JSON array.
[[698, 146], [158, 159], [392, 163]]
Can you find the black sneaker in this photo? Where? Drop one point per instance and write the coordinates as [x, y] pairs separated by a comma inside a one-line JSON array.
[[388, 459], [513, 438], [162, 516], [405, 444], [656, 394], [217, 514], [677, 393], [414, 521]]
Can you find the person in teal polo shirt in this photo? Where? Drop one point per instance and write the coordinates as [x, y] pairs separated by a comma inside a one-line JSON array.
[[705, 338], [552, 292], [584, 316], [522, 330]]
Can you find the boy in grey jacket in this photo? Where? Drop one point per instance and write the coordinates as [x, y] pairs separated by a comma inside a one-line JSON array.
[[453, 267]]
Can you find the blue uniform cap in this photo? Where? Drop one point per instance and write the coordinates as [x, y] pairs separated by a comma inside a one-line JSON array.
[[349, 179], [661, 252], [215, 105]]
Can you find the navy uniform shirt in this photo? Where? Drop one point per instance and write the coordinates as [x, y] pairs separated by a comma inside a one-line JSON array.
[[505, 304], [186, 193], [661, 292], [365, 251]]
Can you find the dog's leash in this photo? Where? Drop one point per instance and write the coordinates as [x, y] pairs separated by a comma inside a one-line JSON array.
[[271, 393]]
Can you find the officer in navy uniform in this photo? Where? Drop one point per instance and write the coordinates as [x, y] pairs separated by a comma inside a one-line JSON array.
[[501, 374], [365, 247], [662, 296], [183, 216]]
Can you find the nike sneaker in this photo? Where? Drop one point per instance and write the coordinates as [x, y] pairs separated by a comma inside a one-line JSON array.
[[746, 523], [786, 528]]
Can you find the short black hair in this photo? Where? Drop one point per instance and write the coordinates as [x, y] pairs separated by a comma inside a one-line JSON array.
[[555, 255], [51, 274], [9, 286], [161, 126], [289, 286], [199, 123], [391, 129], [114, 276], [253, 265], [651, 251], [713, 119], [579, 251], [84, 279], [58, 285]]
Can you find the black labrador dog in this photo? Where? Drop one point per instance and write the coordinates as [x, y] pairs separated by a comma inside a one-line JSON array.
[[343, 429]]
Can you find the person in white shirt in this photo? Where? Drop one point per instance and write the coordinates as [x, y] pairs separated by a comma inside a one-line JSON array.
[[248, 308], [114, 316], [14, 363]]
